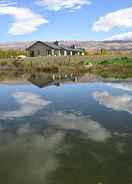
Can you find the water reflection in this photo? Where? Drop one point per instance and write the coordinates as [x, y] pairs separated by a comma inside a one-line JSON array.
[[29, 104], [46, 79], [88, 128], [117, 103], [28, 157], [42, 79], [123, 86], [77, 133]]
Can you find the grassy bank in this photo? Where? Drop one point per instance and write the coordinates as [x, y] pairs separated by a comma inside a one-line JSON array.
[[45, 64], [116, 67], [104, 66]]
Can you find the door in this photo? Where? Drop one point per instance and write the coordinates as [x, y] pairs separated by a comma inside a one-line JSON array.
[[32, 53]]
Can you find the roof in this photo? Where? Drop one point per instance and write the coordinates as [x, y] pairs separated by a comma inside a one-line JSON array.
[[68, 48], [65, 47], [51, 45]]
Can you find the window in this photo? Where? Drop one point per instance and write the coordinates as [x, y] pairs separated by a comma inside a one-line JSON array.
[[48, 52]]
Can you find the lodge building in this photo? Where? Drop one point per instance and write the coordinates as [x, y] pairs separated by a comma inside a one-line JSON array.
[[40, 48]]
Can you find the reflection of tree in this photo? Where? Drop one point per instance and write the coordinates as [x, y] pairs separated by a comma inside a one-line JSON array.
[[13, 76]]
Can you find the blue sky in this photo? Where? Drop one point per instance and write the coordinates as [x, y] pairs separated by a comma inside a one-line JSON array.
[[23, 20]]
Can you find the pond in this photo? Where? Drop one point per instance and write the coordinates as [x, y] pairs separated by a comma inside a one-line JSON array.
[[75, 130]]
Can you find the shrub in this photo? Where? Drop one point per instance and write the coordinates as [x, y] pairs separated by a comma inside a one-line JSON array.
[[11, 53]]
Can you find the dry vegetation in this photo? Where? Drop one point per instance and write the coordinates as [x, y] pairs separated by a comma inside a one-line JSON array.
[[105, 65]]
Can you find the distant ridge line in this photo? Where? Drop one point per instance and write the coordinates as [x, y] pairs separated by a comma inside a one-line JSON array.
[[114, 45]]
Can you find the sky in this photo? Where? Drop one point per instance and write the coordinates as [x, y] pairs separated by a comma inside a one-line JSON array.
[[22, 20]]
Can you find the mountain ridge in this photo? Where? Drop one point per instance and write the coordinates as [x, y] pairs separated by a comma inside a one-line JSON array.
[[118, 45]]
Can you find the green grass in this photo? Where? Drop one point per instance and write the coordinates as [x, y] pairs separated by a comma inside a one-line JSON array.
[[117, 61], [120, 67]]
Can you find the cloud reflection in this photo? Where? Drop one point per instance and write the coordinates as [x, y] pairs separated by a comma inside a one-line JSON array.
[[123, 86], [89, 128], [29, 103], [117, 103], [29, 157]]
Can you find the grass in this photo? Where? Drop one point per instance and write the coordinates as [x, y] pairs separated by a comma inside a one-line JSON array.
[[118, 67], [118, 61], [45, 64], [105, 66]]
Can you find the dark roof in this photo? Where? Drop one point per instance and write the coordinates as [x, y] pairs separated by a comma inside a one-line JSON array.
[[68, 48], [51, 45]]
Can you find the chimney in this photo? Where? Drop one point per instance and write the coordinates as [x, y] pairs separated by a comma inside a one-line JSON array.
[[57, 43]]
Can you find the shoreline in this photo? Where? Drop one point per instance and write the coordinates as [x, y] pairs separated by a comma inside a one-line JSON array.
[[102, 66]]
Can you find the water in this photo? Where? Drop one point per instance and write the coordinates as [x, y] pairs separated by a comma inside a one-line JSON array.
[[77, 131]]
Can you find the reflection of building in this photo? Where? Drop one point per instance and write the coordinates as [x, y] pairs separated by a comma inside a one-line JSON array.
[[48, 79], [41, 79], [44, 79], [52, 49]]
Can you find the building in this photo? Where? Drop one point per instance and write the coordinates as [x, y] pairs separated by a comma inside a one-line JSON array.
[[40, 48]]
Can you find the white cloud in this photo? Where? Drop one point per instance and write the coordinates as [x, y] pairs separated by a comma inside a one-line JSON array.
[[120, 18], [29, 103], [123, 36], [25, 21], [87, 127], [117, 103], [122, 86], [7, 2], [57, 5]]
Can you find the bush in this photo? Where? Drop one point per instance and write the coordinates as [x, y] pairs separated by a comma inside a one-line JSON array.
[[87, 62], [11, 53]]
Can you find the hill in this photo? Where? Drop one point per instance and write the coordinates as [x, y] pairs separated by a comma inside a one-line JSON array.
[[97, 45], [88, 45]]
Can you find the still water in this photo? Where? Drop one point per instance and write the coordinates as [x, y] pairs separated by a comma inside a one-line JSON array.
[[77, 131]]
